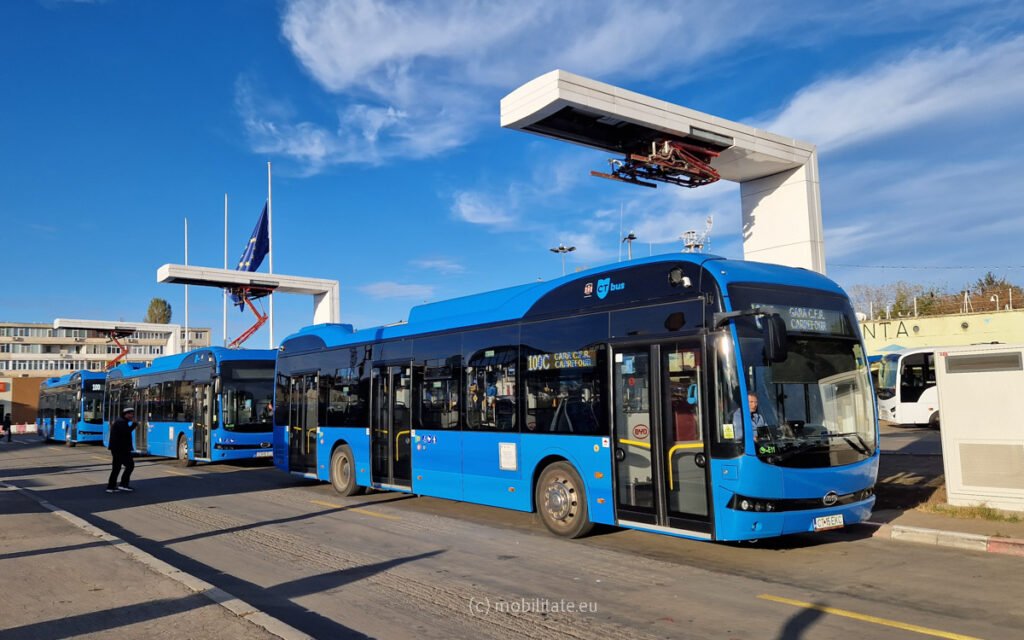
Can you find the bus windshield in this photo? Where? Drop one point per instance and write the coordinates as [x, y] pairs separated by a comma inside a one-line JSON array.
[[890, 365], [248, 396], [815, 408], [92, 404]]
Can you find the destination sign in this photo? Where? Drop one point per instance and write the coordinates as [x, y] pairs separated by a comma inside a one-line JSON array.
[[810, 319], [560, 360]]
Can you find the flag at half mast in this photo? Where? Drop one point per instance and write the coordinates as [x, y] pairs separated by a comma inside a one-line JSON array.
[[255, 250]]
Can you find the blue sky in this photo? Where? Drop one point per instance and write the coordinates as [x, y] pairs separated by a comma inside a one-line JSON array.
[[392, 174]]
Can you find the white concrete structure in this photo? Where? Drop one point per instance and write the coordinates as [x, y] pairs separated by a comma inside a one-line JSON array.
[[778, 176], [982, 434], [326, 293]]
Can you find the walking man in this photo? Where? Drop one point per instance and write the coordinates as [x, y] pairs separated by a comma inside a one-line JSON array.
[[121, 449], [7, 425]]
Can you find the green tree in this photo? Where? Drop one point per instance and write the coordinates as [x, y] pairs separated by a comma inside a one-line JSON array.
[[159, 311]]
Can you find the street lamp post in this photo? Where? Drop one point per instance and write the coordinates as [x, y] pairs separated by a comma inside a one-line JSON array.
[[562, 249], [629, 245]]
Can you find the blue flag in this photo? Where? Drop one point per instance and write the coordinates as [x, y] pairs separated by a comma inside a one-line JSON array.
[[255, 250]]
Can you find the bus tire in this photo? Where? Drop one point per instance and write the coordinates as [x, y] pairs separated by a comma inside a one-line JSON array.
[[933, 421], [562, 501], [343, 472], [183, 452]]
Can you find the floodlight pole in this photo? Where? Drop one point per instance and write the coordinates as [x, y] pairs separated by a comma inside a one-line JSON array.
[[186, 288], [225, 292], [270, 249], [629, 245], [562, 249]]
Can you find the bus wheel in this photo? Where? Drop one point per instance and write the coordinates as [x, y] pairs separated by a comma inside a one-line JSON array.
[[343, 473], [183, 452], [933, 421], [562, 501]]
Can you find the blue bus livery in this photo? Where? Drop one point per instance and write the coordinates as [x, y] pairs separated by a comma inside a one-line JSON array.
[[71, 408], [206, 405], [620, 395]]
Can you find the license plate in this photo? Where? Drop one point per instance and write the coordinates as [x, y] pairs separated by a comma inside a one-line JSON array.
[[825, 523], [270, 454]]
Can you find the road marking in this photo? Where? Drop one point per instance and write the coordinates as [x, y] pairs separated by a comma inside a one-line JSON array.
[[179, 473], [103, 458], [356, 509], [866, 618]]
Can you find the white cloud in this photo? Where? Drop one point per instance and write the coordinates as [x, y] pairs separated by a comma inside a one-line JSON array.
[[415, 79], [922, 87], [478, 208], [397, 290], [446, 267]]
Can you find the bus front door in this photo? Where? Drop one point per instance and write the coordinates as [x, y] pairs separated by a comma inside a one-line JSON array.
[[202, 415], [391, 428], [660, 457], [303, 422]]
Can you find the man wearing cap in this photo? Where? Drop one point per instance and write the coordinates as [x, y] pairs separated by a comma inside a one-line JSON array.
[[121, 448]]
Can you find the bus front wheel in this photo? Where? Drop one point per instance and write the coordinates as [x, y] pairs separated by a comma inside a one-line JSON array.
[[343, 473], [183, 453], [562, 501]]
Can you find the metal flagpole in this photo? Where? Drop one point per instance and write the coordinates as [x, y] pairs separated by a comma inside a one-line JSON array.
[[186, 288], [225, 334], [270, 250]]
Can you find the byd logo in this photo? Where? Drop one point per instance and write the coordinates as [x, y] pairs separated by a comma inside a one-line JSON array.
[[640, 432]]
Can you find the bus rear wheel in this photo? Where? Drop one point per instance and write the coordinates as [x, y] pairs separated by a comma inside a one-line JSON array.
[[562, 501], [183, 452], [933, 421], [343, 472]]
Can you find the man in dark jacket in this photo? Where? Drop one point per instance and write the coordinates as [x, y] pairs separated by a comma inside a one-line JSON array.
[[7, 425], [121, 448]]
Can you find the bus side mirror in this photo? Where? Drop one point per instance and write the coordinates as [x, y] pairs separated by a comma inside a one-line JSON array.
[[775, 338]]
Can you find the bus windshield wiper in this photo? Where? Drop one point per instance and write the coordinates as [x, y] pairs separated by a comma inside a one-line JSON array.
[[862, 448]]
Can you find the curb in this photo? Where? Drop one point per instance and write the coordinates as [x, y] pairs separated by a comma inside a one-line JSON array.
[[954, 539], [237, 606]]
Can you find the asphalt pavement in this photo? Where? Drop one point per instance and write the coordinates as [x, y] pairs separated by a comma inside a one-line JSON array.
[[303, 561]]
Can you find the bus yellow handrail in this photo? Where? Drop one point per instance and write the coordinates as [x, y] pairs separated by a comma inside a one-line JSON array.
[[671, 452], [397, 436], [636, 443]]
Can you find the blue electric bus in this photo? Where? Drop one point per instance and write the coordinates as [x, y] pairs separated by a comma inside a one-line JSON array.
[[71, 408], [620, 395], [206, 405]]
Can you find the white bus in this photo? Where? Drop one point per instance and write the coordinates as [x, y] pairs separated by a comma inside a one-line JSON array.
[[906, 388]]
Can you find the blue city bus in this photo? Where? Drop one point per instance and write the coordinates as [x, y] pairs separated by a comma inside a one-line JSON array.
[[71, 408], [620, 395], [206, 405]]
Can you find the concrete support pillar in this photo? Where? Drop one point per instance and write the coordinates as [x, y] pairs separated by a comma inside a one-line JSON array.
[[782, 218]]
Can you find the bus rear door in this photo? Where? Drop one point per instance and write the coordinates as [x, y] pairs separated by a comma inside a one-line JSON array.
[[660, 455], [391, 426], [303, 421], [202, 412]]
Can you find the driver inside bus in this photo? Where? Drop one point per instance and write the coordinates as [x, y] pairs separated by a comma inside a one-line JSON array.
[[756, 419]]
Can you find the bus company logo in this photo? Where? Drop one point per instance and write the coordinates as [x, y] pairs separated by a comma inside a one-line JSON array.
[[830, 499], [640, 432], [606, 286]]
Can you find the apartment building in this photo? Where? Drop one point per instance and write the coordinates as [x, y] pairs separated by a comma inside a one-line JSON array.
[[39, 350]]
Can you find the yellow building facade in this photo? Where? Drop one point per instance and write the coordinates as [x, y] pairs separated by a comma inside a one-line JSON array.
[[884, 336]]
